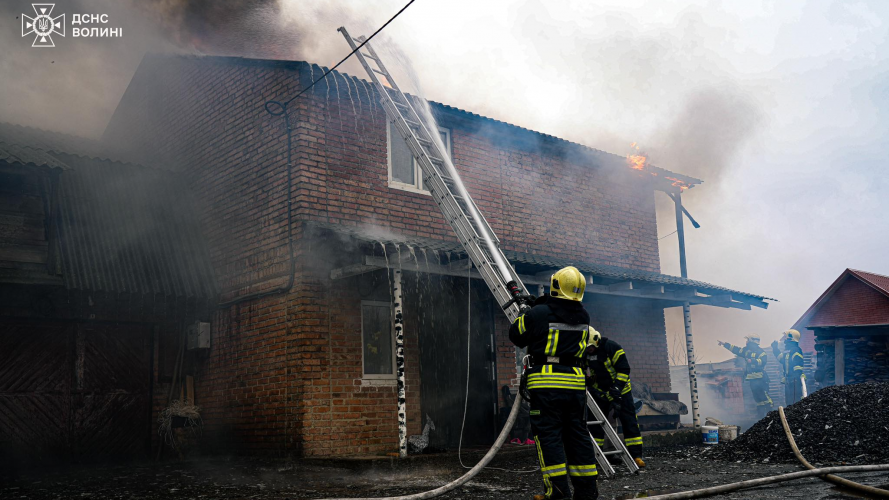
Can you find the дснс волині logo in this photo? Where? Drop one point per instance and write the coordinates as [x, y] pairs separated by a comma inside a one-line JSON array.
[[43, 25]]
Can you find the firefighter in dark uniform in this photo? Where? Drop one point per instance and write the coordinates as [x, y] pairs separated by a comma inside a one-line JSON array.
[[556, 335], [754, 367], [609, 384], [791, 362]]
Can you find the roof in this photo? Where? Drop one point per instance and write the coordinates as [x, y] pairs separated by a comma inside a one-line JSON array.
[[602, 157], [878, 282], [21, 145], [125, 228], [122, 227], [533, 263]]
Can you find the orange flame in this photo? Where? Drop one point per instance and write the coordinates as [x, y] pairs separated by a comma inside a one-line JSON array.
[[638, 160]]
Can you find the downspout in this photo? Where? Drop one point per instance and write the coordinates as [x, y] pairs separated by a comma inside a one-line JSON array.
[[686, 315]]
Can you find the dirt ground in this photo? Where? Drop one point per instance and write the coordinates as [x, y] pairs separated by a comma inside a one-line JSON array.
[[674, 469]]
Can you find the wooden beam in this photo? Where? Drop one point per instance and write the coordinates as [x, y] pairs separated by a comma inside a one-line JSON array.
[[352, 270], [623, 285], [839, 362]]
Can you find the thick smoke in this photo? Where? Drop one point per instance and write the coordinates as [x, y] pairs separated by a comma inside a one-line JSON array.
[[755, 99]]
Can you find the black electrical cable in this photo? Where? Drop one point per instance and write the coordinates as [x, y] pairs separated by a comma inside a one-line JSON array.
[[324, 75], [279, 108]]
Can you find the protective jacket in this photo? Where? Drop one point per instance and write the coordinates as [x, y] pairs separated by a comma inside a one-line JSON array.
[[791, 362], [754, 359], [556, 335], [610, 367]]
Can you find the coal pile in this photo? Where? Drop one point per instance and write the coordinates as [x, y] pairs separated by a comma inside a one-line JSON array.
[[839, 424]]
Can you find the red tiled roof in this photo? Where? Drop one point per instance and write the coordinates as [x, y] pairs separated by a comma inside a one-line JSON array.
[[878, 281]]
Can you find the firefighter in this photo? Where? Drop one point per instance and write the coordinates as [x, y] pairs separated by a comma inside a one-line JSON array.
[[754, 367], [555, 332], [609, 384], [791, 362]]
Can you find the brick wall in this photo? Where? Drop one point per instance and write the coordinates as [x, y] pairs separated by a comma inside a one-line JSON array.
[[853, 303], [273, 381], [638, 326]]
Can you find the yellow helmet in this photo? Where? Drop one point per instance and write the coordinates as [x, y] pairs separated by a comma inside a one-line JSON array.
[[594, 337], [791, 335], [567, 283]]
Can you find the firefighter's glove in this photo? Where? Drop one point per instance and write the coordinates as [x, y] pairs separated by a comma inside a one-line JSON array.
[[614, 392]]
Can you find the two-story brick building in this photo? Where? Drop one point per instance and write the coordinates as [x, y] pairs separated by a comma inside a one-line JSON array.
[[305, 213]]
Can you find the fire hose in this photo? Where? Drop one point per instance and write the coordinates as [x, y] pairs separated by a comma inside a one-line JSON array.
[[507, 428], [869, 490], [753, 483]]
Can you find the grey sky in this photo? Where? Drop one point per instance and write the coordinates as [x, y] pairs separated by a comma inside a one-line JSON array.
[[782, 107]]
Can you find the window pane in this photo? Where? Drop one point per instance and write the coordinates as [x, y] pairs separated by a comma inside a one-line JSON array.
[[377, 328], [401, 158]]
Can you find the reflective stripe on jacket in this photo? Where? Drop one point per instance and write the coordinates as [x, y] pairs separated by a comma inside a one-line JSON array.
[[554, 328], [610, 366], [754, 359], [791, 362]]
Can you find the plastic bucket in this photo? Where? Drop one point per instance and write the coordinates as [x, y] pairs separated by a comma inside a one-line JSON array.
[[710, 433], [728, 432]]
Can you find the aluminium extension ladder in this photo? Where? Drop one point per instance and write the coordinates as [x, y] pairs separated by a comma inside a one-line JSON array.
[[439, 177], [611, 436], [472, 229]]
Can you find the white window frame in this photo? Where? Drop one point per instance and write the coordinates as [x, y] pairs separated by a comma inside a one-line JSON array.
[[416, 187], [378, 376]]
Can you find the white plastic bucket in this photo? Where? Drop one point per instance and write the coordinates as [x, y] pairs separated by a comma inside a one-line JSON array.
[[710, 433]]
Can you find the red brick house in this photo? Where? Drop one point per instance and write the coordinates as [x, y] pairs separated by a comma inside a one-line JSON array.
[[305, 214], [848, 328]]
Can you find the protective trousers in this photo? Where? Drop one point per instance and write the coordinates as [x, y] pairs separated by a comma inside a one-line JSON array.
[[627, 417], [559, 430], [760, 389], [793, 391]]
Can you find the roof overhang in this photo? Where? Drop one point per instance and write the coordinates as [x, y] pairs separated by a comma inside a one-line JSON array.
[[670, 291]]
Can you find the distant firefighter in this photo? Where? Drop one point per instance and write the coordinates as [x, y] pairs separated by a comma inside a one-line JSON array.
[[754, 367], [791, 361]]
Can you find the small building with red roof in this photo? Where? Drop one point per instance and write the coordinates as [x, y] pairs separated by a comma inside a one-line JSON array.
[[848, 329]]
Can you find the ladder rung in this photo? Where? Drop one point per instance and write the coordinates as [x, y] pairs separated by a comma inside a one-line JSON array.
[[396, 102], [380, 72], [412, 123], [594, 422], [369, 56], [615, 452]]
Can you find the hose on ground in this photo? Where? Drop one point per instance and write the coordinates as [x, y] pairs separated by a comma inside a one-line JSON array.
[[870, 490], [507, 428], [753, 483]]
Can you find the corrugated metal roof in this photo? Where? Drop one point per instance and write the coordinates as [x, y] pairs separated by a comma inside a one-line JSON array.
[[386, 236], [125, 228], [16, 154], [604, 157], [28, 145]]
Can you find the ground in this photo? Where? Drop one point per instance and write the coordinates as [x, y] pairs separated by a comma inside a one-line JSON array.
[[672, 469]]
